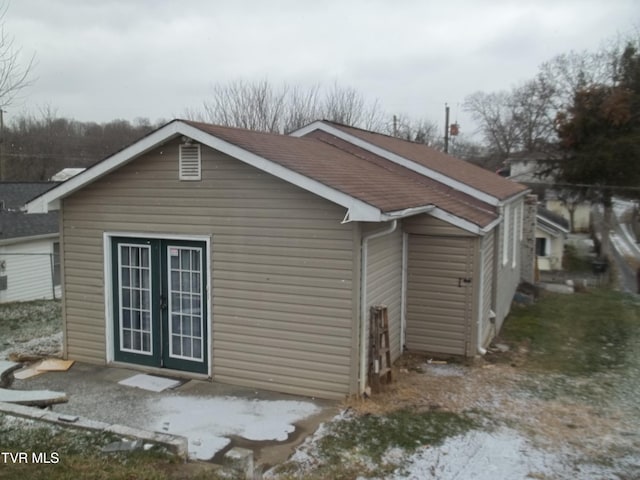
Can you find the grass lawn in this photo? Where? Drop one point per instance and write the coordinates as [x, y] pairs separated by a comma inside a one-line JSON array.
[[582, 333], [74, 454], [22, 321]]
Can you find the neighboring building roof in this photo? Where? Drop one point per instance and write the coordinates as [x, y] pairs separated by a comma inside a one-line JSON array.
[[372, 187], [17, 224], [67, 173], [551, 222], [532, 167], [14, 195]]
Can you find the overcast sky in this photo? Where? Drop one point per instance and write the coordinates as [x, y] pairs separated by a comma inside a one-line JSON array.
[[105, 59]]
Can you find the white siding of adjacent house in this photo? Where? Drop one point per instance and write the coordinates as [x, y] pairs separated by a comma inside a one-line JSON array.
[[552, 260], [384, 282], [27, 266], [284, 269]]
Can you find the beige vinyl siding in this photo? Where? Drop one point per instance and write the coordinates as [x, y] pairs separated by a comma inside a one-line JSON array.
[[282, 267], [384, 282], [488, 247], [427, 225], [507, 276], [439, 304]]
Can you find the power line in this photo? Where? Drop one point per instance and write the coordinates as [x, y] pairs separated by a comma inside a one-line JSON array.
[[584, 185]]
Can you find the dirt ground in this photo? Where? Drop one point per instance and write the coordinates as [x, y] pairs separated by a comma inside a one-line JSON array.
[[549, 410]]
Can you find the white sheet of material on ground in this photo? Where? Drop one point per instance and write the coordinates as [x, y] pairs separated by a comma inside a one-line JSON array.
[[206, 422], [150, 382]]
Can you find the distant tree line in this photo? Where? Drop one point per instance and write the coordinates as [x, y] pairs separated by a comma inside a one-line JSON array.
[[36, 147]]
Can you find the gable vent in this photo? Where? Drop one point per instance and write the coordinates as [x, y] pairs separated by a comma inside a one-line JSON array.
[[190, 162]]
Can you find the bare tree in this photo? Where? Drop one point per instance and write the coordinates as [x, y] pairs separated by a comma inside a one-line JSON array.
[[15, 75], [263, 107], [345, 105], [415, 130], [255, 106], [534, 114], [496, 115], [303, 107], [568, 73]]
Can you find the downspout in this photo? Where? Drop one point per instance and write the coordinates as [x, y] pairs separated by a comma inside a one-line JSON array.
[[363, 298], [403, 294]]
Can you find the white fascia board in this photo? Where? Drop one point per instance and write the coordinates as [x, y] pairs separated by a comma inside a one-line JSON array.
[[550, 227], [459, 222], [491, 226], [32, 238], [357, 209], [407, 212], [395, 158], [546, 230]]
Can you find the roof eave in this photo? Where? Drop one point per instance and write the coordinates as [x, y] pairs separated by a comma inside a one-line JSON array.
[[357, 210], [551, 227], [28, 238]]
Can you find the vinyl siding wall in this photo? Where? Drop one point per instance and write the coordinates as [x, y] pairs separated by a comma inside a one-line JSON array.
[[507, 276], [28, 270], [283, 309], [487, 244], [384, 282], [439, 312]]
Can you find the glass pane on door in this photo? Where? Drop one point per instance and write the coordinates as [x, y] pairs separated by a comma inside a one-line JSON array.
[[184, 275], [134, 279]]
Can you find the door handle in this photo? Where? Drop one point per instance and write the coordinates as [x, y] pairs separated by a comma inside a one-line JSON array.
[[163, 302], [462, 280]]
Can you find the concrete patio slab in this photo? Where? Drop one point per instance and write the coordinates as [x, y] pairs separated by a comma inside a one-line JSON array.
[[94, 393]]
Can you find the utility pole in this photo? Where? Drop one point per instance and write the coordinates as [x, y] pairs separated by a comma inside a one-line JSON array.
[[446, 128]]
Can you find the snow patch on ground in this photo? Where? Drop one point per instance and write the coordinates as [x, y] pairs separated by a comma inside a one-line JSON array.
[[481, 456], [206, 422], [446, 370], [49, 346]]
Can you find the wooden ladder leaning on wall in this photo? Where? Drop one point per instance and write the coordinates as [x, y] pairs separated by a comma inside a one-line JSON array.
[[379, 348]]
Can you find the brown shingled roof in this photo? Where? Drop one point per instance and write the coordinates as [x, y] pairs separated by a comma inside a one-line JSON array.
[[354, 171], [450, 200], [455, 168]]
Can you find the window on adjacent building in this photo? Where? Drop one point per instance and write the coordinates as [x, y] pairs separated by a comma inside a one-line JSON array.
[[541, 247], [56, 264], [190, 162]]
